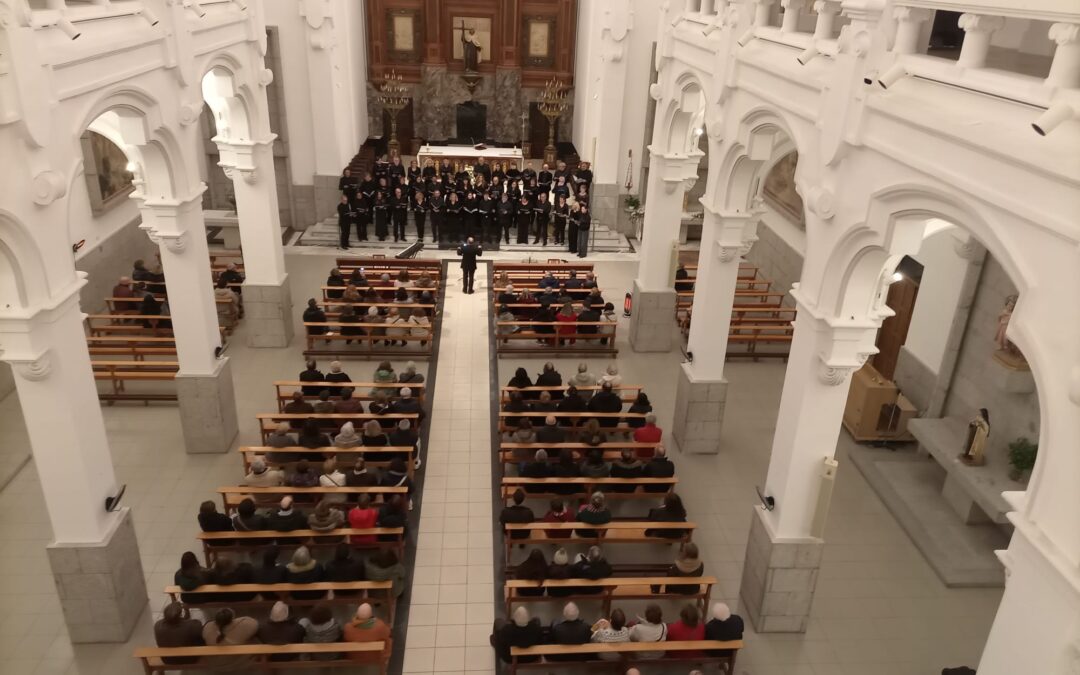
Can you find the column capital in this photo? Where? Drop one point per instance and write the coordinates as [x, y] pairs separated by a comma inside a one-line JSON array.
[[843, 345], [980, 23], [26, 338], [166, 226], [238, 158], [904, 13], [674, 168], [1064, 33]]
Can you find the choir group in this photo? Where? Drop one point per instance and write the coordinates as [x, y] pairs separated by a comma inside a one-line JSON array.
[[485, 201]]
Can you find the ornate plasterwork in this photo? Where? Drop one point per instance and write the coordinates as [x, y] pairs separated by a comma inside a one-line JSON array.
[[49, 186], [33, 370], [175, 242], [834, 374]]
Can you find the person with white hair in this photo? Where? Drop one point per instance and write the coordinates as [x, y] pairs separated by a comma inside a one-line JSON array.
[[538, 468], [347, 438], [336, 374], [650, 433], [280, 629], [723, 625], [658, 467], [611, 376], [366, 627], [507, 297], [406, 405], [409, 375], [520, 631], [261, 475], [571, 630], [583, 378]]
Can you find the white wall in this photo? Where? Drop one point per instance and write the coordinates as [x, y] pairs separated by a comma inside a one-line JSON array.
[[82, 224], [359, 66], [293, 41], [939, 292], [638, 77]]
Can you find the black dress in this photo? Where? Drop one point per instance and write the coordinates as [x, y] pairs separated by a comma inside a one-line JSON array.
[[381, 211], [524, 222], [419, 209], [505, 216]]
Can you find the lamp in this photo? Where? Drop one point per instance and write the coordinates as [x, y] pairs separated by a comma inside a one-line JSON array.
[[149, 15], [892, 75], [552, 104], [69, 28], [807, 55], [1053, 117]]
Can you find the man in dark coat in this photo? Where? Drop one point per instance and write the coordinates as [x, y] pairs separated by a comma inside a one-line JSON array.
[[469, 252]]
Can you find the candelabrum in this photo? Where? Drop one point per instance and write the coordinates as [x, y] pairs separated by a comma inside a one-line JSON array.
[[394, 96], [553, 103]]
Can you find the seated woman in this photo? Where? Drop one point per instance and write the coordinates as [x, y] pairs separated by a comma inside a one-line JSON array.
[[396, 328], [228, 629], [594, 465], [723, 626], [533, 568], [591, 565], [567, 319], [373, 435], [312, 436], [190, 576], [383, 565], [595, 512], [320, 628], [591, 434], [688, 627], [351, 294], [641, 405], [520, 380], [687, 564], [672, 511], [609, 631], [627, 466], [303, 569], [650, 628], [544, 318], [343, 568], [226, 572], [314, 314]]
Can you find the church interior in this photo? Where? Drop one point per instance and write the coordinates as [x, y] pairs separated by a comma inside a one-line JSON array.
[[436, 336]]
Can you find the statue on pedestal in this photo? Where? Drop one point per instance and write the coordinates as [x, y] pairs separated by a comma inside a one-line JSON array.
[[1008, 354], [978, 432], [470, 47]]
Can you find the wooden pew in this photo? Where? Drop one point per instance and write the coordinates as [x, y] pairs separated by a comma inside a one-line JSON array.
[[99, 325], [232, 495], [542, 267], [120, 373], [613, 588], [585, 343], [583, 487], [369, 346], [382, 595], [255, 541], [374, 456], [361, 390], [749, 336], [577, 420], [629, 391], [377, 266], [268, 421], [513, 453], [615, 532], [151, 657], [628, 655]]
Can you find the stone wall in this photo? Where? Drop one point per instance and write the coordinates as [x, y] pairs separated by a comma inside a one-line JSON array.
[[106, 263], [777, 260], [977, 381], [915, 379]]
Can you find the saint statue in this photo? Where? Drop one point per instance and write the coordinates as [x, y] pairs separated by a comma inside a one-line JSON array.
[[470, 47], [1008, 354], [978, 432]]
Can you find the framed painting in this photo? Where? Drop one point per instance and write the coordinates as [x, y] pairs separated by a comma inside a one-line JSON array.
[[403, 35], [539, 42], [108, 181], [779, 189], [477, 32]]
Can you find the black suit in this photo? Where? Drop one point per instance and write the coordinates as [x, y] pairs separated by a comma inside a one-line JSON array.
[[469, 254]]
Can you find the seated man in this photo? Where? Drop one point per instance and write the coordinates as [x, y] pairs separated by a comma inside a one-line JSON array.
[[570, 631], [280, 629], [176, 628], [725, 626], [507, 297], [658, 467], [606, 401], [517, 514], [590, 314], [550, 432], [286, 518], [123, 290], [407, 405], [366, 627], [550, 378], [311, 374], [538, 468], [232, 275], [548, 280], [574, 281], [298, 406], [348, 405]]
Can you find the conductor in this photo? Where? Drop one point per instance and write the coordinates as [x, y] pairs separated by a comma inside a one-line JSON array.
[[469, 251]]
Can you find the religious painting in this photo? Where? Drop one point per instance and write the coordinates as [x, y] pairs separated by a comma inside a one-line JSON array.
[[403, 35], [539, 41], [107, 179], [779, 190], [472, 40]]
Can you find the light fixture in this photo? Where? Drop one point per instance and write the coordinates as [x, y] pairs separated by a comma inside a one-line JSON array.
[[746, 37], [69, 28], [807, 55], [897, 276], [892, 75], [241, 4], [698, 131], [149, 15], [1053, 117], [131, 166], [196, 7], [710, 29]]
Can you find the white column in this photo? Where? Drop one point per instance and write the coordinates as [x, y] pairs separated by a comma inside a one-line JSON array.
[[977, 31], [792, 10], [94, 555], [826, 11], [204, 387], [725, 239], [1065, 68], [51, 363], [250, 165], [179, 230], [824, 353], [909, 28]]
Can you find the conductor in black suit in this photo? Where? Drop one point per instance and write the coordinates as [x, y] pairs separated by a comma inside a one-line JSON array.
[[469, 251]]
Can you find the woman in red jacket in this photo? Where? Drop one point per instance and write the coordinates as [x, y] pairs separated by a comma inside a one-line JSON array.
[[567, 320], [688, 627]]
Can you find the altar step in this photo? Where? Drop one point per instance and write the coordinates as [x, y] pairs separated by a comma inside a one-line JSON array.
[[325, 234]]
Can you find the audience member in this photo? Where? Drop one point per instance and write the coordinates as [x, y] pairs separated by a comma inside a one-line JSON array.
[[123, 289], [227, 572], [688, 627], [311, 374], [384, 374], [227, 629], [649, 628], [176, 628], [658, 467], [311, 435], [517, 514], [606, 401], [550, 432], [558, 513], [336, 374], [303, 569], [281, 438], [583, 378], [321, 628], [595, 512], [533, 568], [247, 518], [521, 631], [649, 433], [640, 406], [280, 629], [325, 518], [268, 571], [383, 565], [409, 375], [520, 379], [550, 378], [392, 514], [591, 434], [303, 476], [380, 404], [594, 465], [286, 518], [262, 476], [363, 516], [627, 466], [723, 626], [611, 376], [366, 627], [212, 521], [298, 406], [359, 476], [343, 567], [671, 512], [571, 630], [190, 576], [572, 403], [560, 568], [523, 433], [227, 302], [324, 405], [538, 468], [543, 403], [608, 631], [407, 405], [348, 437], [687, 564], [347, 404], [373, 435], [566, 467]]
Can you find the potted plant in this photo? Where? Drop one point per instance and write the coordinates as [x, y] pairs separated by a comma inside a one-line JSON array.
[[1022, 453], [632, 203]]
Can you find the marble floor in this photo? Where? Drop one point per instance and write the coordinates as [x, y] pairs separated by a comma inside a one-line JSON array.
[[879, 608]]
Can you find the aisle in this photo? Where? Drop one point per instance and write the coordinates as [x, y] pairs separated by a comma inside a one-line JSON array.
[[451, 608]]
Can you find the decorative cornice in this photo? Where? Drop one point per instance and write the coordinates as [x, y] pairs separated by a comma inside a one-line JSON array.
[[836, 374], [175, 242], [980, 23], [1064, 33], [33, 370], [730, 252], [820, 201]]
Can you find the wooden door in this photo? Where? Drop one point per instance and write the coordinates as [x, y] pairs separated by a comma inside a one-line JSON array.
[[538, 131], [893, 332]]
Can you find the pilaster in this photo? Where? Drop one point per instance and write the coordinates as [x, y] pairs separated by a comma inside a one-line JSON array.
[[207, 409], [250, 165], [779, 578], [668, 175], [268, 314], [652, 323]]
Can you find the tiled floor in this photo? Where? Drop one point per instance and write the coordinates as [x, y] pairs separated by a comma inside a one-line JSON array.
[[879, 608]]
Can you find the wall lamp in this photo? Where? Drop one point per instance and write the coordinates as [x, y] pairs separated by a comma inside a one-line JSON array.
[[710, 29], [1053, 117], [808, 55], [892, 75], [149, 15], [69, 28], [194, 6], [768, 503], [746, 37]]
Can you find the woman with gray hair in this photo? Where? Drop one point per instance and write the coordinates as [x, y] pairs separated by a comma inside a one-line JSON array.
[[595, 512], [520, 631]]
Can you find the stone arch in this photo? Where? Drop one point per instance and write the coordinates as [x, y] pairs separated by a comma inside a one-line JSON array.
[[764, 136], [230, 100], [683, 116], [23, 281], [140, 132]]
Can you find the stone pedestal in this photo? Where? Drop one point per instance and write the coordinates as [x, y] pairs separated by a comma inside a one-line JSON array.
[[779, 578], [101, 585], [699, 412], [327, 196], [652, 323], [268, 313], [207, 410], [605, 204]]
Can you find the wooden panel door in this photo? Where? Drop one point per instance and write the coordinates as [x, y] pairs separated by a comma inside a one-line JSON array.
[[893, 332], [538, 131]]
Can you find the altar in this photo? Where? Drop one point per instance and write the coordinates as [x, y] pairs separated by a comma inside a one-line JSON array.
[[469, 154]]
